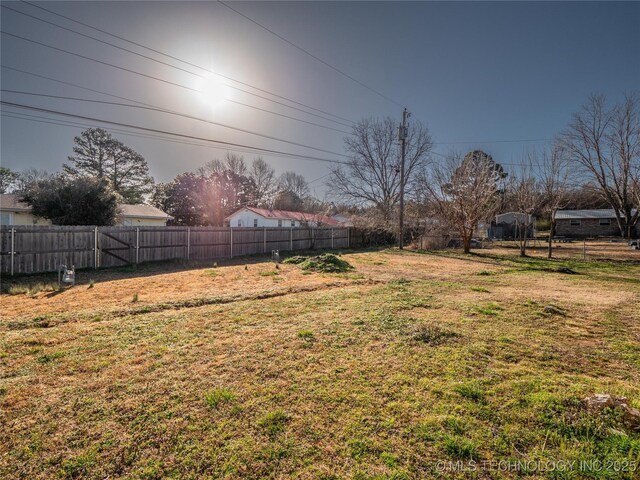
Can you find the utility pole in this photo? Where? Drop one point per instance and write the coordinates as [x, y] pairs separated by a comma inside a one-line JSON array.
[[403, 132]]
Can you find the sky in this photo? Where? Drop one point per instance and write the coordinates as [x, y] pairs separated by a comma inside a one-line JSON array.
[[503, 77]]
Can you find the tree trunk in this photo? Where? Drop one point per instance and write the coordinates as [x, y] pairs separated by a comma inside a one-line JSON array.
[[552, 225], [466, 242]]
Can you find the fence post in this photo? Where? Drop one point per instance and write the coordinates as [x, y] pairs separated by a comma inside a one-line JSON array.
[[137, 245], [348, 237], [95, 247], [231, 233], [291, 238], [188, 243], [584, 249], [264, 246], [13, 244], [332, 239]]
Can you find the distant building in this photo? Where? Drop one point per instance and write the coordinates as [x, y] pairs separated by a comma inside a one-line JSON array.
[[140, 215], [14, 212], [588, 223], [507, 226], [249, 217]]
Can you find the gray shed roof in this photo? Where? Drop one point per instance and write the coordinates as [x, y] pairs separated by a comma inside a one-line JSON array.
[[579, 214]]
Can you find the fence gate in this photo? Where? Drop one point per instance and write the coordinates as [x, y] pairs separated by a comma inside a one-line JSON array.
[[116, 246]]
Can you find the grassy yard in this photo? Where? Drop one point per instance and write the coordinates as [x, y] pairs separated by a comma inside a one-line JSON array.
[[411, 365]]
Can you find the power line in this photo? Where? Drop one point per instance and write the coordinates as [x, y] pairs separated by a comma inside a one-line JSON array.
[[341, 72], [170, 56], [170, 112], [149, 105], [496, 141], [72, 124], [135, 72], [165, 132]]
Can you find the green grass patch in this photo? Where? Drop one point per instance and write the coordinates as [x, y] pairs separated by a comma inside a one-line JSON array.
[[269, 273], [218, 396], [274, 422]]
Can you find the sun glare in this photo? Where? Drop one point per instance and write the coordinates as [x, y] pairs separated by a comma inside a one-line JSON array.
[[213, 91]]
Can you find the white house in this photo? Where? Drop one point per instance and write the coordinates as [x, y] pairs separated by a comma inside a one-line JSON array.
[[14, 212], [263, 217]]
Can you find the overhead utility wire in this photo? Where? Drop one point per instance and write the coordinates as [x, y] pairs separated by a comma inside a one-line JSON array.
[[168, 64], [341, 72], [135, 72], [165, 132], [162, 110], [208, 70], [147, 104], [72, 124]]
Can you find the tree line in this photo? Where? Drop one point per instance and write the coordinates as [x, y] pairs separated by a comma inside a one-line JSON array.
[[103, 173], [593, 163]]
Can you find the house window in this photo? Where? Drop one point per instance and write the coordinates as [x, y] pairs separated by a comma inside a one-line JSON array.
[[239, 223], [279, 223], [255, 222], [5, 218], [293, 223], [574, 223], [605, 222]]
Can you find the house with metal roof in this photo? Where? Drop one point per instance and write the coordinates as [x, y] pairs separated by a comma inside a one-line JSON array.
[[599, 222], [15, 212], [263, 217]]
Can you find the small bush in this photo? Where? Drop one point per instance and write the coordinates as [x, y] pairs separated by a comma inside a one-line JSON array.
[[217, 396], [135, 298], [91, 283]]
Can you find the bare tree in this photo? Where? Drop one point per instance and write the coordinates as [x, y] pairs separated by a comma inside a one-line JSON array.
[[526, 197], [605, 142], [553, 174], [464, 192], [232, 163], [294, 183], [372, 176], [7, 179], [264, 177]]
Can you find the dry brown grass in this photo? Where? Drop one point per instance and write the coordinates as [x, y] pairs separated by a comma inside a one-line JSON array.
[[332, 382]]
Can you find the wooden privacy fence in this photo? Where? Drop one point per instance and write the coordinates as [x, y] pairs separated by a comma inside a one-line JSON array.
[[33, 249]]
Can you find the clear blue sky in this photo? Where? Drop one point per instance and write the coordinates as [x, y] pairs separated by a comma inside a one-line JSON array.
[[472, 72]]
